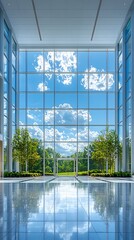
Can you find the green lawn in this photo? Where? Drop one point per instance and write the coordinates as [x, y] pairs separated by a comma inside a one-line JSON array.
[[72, 173], [67, 174]]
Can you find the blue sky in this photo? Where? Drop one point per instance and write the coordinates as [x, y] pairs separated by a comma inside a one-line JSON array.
[[67, 89]]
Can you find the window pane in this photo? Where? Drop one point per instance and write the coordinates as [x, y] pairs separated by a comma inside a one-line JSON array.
[[13, 78], [49, 117], [128, 47], [83, 82], [13, 97], [49, 100], [95, 131], [66, 134], [36, 132], [128, 127], [82, 133], [35, 100], [66, 100], [98, 82], [120, 97], [22, 100], [128, 88], [22, 61], [120, 116], [98, 117], [22, 117], [128, 107], [6, 47], [82, 61], [66, 82], [35, 117], [120, 80], [97, 100], [110, 82], [66, 149], [82, 100], [49, 61], [97, 61], [65, 62], [35, 62], [65, 117], [128, 68], [35, 83], [111, 100], [111, 117], [49, 133], [111, 61], [22, 82], [49, 82], [83, 117]]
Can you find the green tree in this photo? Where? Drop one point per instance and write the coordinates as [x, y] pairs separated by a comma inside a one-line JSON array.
[[25, 149], [105, 148]]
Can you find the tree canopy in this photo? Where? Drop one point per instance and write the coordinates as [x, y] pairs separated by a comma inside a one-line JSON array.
[[29, 152]]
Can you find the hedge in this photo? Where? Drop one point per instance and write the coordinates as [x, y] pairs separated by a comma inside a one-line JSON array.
[[21, 174], [115, 174]]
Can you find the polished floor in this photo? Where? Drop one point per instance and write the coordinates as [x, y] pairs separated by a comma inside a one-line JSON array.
[[67, 209]]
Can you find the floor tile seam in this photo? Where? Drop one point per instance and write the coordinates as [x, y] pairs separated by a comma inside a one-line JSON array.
[[33, 179], [50, 180], [103, 180]]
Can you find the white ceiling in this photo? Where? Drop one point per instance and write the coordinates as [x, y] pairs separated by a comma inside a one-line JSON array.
[[66, 22]]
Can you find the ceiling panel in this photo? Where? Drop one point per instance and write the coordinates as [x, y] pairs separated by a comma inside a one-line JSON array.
[[66, 22]]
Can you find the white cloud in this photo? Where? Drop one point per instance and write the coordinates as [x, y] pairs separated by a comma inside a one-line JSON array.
[[93, 135], [35, 115], [65, 79], [66, 149], [40, 64], [64, 114], [64, 62], [84, 117], [35, 131], [49, 117], [42, 87], [97, 80], [30, 116]]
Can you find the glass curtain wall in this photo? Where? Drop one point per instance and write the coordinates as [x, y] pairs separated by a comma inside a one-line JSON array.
[[6, 89], [124, 98], [10, 73], [66, 98], [14, 90], [120, 100], [128, 93]]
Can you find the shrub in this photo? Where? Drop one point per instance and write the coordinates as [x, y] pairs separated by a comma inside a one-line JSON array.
[[115, 174], [21, 174], [94, 171], [84, 173]]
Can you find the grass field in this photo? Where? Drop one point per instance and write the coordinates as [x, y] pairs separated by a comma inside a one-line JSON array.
[[67, 174], [72, 173]]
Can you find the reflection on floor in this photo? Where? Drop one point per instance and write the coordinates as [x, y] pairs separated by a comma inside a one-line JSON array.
[[67, 208]]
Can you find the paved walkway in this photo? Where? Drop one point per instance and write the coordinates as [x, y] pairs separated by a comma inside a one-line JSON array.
[[81, 179]]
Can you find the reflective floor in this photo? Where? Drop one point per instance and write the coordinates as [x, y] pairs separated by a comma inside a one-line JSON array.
[[66, 209]]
